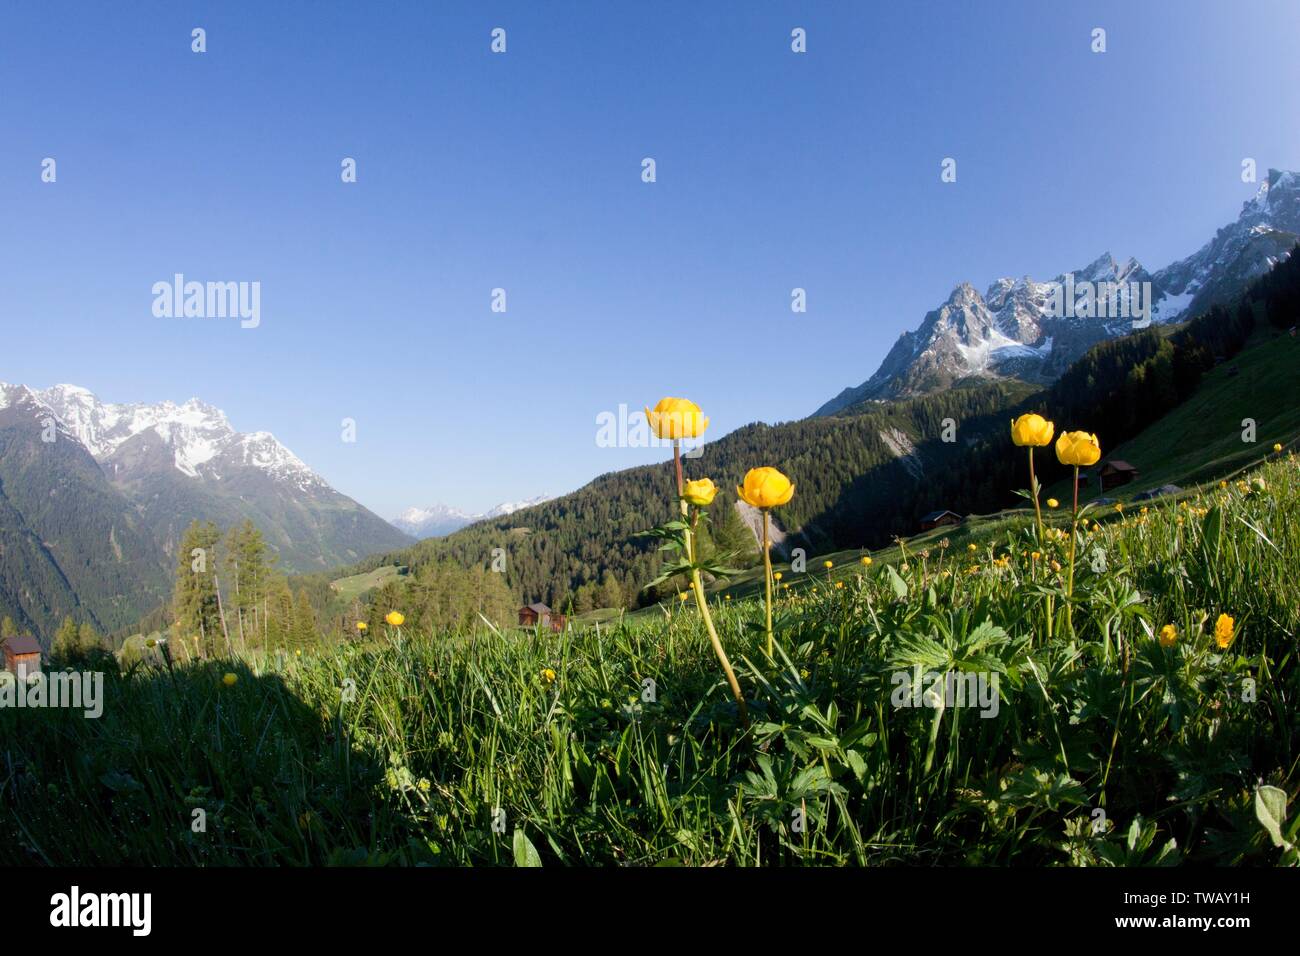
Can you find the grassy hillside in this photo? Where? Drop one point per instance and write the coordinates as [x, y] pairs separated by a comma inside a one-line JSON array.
[[621, 744], [1202, 438]]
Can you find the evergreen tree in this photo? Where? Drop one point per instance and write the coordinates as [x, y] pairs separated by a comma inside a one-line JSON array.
[[67, 641], [304, 632], [245, 559], [611, 592], [194, 599], [88, 640]]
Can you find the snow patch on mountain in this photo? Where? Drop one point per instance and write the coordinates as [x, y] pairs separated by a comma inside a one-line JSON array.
[[439, 519], [1018, 327], [195, 433]]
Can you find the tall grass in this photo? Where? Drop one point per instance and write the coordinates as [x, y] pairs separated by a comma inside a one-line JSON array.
[[459, 748]]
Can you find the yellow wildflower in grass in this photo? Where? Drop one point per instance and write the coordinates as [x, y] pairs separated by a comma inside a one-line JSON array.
[[1032, 431], [828, 565], [1035, 555], [1080, 449], [361, 626], [700, 492], [839, 584], [682, 595], [777, 576], [676, 418], [1223, 484], [229, 679], [765, 488], [971, 547], [1223, 632], [728, 597], [548, 675], [1119, 507], [1168, 634], [866, 560], [1053, 503], [395, 618], [1277, 448]]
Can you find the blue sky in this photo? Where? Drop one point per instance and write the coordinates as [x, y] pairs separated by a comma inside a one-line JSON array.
[[523, 171]]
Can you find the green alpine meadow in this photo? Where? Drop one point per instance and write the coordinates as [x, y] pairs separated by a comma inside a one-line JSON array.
[[1156, 725]]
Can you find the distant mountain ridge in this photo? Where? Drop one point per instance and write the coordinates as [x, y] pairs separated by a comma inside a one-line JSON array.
[[439, 520], [175, 463], [1012, 330]]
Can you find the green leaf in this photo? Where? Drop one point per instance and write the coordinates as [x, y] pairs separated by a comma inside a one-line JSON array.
[[525, 853], [1212, 531], [896, 582], [1270, 810]]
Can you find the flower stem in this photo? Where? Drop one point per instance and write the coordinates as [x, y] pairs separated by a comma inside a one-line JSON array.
[[1074, 532], [700, 599], [717, 648], [1042, 535], [767, 580], [1033, 490]]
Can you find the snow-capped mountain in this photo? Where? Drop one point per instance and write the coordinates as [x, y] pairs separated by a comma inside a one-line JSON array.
[[183, 462], [438, 520], [198, 437], [1019, 328]]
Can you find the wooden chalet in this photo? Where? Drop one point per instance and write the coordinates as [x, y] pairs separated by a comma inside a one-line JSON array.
[[1114, 473], [936, 518], [531, 615], [22, 656]]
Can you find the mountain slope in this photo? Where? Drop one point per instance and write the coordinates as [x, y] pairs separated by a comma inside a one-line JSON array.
[[439, 520], [70, 543], [1018, 328], [178, 463]]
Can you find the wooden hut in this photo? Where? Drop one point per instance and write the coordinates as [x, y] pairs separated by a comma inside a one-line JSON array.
[[22, 656], [530, 615], [1115, 473], [936, 518]]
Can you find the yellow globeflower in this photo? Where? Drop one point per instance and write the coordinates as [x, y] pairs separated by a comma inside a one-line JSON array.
[[1277, 448], [1223, 631], [229, 679], [1081, 449], [700, 492], [362, 625], [548, 675], [676, 418], [395, 618], [1032, 430], [1053, 503], [839, 584], [828, 565], [776, 576], [1168, 634], [765, 488], [866, 560]]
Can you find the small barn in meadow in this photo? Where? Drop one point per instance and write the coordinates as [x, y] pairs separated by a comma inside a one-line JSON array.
[[531, 615], [22, 656], [936, 518], [1114, 473]]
